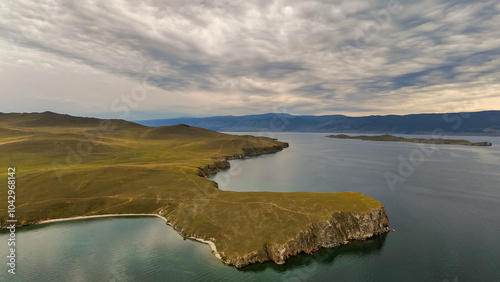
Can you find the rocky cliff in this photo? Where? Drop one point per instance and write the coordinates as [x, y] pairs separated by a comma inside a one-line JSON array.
[[341, 228], [256, 151], [213, 168], [337, 229], [222, 162]]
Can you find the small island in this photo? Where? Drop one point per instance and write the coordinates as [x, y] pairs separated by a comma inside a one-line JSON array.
[[72, 167], [387, 137]]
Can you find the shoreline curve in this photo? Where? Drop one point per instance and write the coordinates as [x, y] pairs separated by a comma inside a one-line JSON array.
[[210, 243]]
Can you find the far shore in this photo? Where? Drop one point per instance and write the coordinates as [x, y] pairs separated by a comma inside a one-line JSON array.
[[434, 141]]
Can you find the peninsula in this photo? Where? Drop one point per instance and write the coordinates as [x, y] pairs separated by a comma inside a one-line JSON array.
[[70, 167], [388, 137]]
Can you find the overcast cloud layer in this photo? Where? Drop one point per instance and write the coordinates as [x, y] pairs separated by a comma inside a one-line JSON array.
[[177, 58]]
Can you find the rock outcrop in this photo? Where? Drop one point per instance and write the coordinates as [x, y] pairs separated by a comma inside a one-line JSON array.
[[341, 228], [263, 150], [222, 162], [213, 168]]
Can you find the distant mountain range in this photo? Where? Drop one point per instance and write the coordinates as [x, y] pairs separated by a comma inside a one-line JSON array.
[[476, 123]]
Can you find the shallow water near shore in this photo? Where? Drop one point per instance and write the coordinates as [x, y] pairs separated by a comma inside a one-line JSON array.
[[446, 215]]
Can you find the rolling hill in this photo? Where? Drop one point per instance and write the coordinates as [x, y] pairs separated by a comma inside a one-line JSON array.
[[249, 123]]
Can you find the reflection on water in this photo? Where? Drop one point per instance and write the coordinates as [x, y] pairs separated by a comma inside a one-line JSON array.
[[355, 249]]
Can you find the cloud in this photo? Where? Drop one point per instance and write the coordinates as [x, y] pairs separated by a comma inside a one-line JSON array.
[[241, 57]]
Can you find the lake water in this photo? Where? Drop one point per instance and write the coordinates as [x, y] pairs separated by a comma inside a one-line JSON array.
[[446, 216]]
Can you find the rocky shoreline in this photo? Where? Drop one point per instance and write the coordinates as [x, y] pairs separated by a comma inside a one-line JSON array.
[[341, 228], [222, 162]]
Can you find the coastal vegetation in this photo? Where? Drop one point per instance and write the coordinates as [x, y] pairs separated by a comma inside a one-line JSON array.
[[71, 166]]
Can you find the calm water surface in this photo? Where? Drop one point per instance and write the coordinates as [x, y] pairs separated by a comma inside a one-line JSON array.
[[446, 215]]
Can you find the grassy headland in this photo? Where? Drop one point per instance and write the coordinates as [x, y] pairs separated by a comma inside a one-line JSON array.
[[70, 166], [387, 137]]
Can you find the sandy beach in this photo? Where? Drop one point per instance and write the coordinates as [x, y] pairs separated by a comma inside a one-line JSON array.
[[100, 216], [210, 243]]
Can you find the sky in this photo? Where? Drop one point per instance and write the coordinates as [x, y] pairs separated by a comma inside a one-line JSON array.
[[162, 59]]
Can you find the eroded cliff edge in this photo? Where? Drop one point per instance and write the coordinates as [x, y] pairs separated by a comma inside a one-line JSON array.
[[341, 228], [221, 163]]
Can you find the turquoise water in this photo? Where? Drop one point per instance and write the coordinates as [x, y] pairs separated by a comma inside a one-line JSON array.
[[446, 215]]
